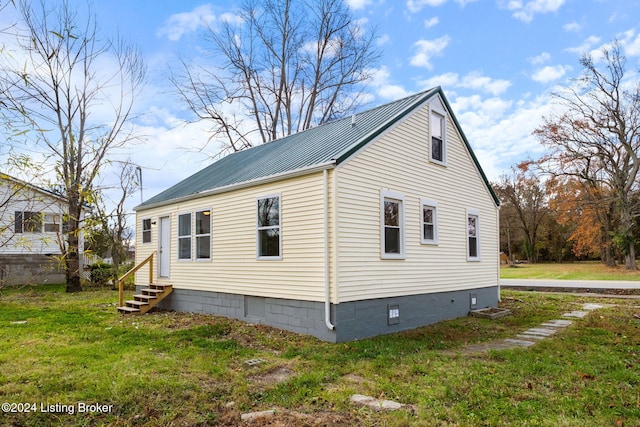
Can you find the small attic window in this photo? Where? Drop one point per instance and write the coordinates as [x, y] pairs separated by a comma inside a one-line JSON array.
[[437, 130]]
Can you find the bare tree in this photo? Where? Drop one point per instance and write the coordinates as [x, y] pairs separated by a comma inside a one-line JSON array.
[[524, 196], [597, 138], [78, 107], [289, 65], [112, 223]]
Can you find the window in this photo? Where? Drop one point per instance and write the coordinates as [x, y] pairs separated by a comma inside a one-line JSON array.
[[146, 230], [473, 235], [203, 235], [429, 215], [268, 228], [184, 236], [438, 144], [28, 222], [51, 223], [392, 225]]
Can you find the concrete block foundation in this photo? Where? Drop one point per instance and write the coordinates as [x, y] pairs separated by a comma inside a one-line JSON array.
[[352, 320]]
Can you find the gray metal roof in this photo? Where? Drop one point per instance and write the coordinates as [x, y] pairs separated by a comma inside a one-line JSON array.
[[328, 144]]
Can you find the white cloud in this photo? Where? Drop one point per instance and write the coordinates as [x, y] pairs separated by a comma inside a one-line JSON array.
[[384, 89], [572, 27], [431, 22], [586, 46], [416, 6], [526, 11], [499, 131], [383, 39], [630, 42], [550, 73], [540, 59], [427, 49], [182, 23], [358, 4], [474, 81]]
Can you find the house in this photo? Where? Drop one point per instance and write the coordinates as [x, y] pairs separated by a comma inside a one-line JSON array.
[[31, 229], [376, 223]]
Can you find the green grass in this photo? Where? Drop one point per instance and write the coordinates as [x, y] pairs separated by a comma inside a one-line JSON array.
[[169, 368], [569, 271]]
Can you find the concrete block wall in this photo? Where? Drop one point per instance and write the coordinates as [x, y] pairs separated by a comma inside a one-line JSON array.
[[353, 320], [30, 269]]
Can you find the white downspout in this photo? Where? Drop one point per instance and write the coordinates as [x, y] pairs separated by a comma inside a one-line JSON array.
[[499, 265], [327, 293]]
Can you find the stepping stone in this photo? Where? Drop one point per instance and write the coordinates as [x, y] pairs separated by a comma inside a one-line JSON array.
[[252, 416], [589, 306], [557, 323], [519, 343], [377, 404], [577, 314], [546, 332], [530, 337]]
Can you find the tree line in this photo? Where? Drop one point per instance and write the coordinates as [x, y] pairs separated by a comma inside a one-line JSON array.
[[581, 199]]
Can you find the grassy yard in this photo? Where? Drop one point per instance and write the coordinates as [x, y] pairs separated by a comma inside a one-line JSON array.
[[61, 351], [570, 271]]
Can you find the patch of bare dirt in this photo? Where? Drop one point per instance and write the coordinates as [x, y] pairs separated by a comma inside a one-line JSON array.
[[276, 375]]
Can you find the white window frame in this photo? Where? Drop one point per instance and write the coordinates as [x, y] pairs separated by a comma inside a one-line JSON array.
[[391, 196], [434, 206], [185, 236], [260, 228], [50, 218], [147, 231], [441, 114], [202, 235], [476, 214]]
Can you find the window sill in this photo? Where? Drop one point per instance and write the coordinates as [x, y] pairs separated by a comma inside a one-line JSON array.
[[388, 256], [269, 258]]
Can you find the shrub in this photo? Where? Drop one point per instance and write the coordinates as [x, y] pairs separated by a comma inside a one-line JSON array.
[[101, 273]]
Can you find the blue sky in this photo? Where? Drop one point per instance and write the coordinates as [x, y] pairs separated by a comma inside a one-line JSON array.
[[496, 60]]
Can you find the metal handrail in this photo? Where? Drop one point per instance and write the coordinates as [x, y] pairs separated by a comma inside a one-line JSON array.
[[121, 280]]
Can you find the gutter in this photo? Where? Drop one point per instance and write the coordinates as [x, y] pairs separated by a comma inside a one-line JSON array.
[[327, 290]]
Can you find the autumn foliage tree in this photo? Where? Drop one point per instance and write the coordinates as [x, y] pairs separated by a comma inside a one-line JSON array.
[[595, 138], [583, 210]]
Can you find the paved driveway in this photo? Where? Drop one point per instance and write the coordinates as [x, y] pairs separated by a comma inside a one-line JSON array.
[[579, 284]]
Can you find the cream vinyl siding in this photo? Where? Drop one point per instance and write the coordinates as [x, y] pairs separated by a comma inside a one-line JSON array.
[[234, 267], [398, 161]]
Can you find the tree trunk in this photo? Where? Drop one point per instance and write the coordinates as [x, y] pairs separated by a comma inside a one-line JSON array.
[[72, 253]]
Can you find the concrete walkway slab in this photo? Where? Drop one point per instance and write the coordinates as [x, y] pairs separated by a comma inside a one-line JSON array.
[[558, 323], [578, 314], [568, 284]]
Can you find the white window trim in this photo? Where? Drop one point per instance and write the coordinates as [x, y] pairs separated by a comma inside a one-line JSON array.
[[432, 204], [190, 259], [476, 213], [195, 236], [437, 111], [143, 230], [258, 228], [392, 195], [58, 224]]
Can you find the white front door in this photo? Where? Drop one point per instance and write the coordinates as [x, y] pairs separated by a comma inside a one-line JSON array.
[[164, 249]]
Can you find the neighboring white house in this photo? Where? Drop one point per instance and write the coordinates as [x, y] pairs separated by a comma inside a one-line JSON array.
[[31, 229], [376, 223]]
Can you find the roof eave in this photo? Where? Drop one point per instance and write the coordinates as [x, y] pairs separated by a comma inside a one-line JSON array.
[[244, 184]]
